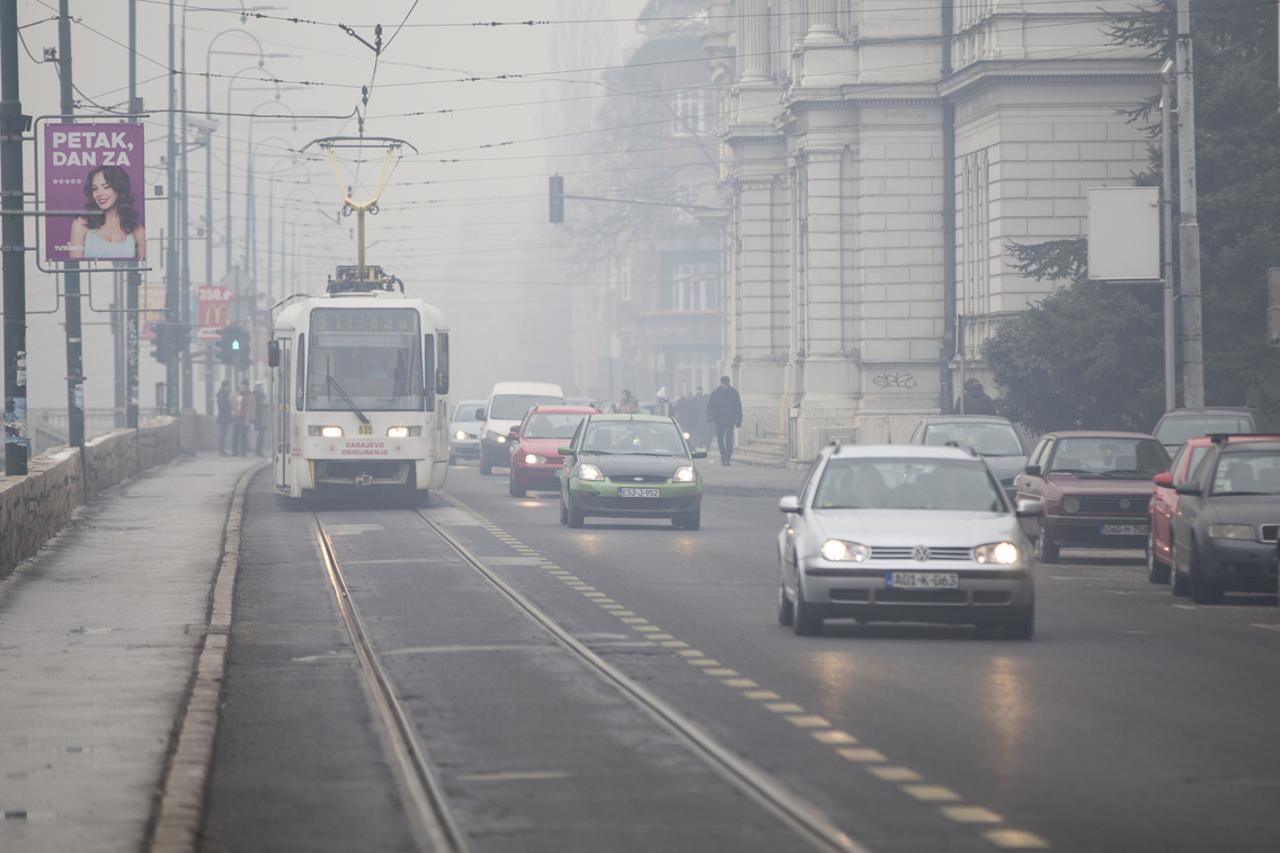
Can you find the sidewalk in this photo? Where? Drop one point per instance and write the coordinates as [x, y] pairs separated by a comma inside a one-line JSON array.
[[98, 636], [748, 479]]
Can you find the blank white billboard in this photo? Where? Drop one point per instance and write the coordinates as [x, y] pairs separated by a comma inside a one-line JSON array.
[[1124, 234]]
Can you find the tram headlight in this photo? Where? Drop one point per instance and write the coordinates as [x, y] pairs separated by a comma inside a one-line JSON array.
[[404, 432], [324, 431]]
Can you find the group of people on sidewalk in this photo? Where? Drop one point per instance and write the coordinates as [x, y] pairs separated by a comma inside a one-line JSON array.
[[237, 413], [698, 414]]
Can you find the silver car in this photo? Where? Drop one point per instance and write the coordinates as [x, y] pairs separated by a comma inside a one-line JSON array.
[[901, 533], [464, 431]]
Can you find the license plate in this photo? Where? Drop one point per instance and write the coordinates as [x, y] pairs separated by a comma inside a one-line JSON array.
[[639, 493], [923, 580], [1124, 530]]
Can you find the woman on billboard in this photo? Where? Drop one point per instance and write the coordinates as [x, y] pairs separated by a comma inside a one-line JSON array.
[[111, 228]]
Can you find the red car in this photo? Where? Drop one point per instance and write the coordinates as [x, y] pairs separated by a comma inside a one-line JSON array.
[[535, 457], [1164, 502], [1095, 487]]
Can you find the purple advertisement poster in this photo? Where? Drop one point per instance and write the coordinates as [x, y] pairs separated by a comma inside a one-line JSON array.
[[97, 168]]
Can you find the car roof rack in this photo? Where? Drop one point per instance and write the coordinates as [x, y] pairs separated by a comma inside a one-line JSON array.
[[960, 445]]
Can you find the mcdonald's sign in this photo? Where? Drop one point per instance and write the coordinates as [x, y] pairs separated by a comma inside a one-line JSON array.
[[215, 310]]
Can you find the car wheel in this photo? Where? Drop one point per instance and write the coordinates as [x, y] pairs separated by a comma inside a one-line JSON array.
[[564, 514], [806, 622], [514, 489], [574, 516], [1047, 551], [1021, 623], [1203, 591], [485, 467], [786, 612], [1157, 572], [1178, 584]]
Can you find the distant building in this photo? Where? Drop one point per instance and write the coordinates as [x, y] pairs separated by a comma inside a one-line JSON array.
[[879, 156]]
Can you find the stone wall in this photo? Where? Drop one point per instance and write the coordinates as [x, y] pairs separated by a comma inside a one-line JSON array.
[[35, 507]]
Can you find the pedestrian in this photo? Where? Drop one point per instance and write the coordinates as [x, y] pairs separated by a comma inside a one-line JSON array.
[[244, 416], [724, 409], [224, 416], [260, 425], [974, 400], [701, 424], [661, 405], [628, 405]]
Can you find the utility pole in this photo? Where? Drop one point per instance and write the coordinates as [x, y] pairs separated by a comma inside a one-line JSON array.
[[1189, 225], [171, 294], [184, 314], [133, 279], [71, 277], [13, 124], [1166, 218]]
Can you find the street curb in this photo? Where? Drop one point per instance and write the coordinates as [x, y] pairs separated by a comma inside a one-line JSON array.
[[179, 805]]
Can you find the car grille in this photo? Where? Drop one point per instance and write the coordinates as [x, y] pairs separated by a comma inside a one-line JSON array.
[[1113, 504], [918, 596], [908, 553], [627, 479], [1270, 532], [638, 504]]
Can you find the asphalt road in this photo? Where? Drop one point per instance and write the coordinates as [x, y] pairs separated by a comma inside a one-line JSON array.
[[1133, 721]]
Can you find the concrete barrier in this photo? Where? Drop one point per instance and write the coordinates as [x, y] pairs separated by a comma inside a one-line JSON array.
[[35, 507]]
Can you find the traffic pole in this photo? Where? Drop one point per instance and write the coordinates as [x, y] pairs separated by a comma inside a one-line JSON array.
[[13, 124], [1189, 223], [71, 275], [172, 372], [133, 278], [1166, 210]]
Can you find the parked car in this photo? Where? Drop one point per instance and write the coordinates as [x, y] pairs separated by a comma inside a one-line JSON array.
[[898, 533], [1226, 531], [464, 431], [1164, 503], [1095, 487], [535, 447], [630, 466], [996, 439], [1176, 426], [506, 407]]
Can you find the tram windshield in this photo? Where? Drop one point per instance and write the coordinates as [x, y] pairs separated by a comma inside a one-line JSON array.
[[369, 358]]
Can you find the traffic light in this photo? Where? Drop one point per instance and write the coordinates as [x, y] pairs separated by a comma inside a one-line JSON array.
[[233, 346], [163, 342], [557, 199]]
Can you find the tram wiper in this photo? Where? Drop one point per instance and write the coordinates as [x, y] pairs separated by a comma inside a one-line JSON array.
[[330, 382]]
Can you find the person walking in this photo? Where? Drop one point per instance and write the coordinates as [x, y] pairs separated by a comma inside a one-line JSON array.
[[224, 416], [628, 405], [724, 409], [244, 416], [974, 400], [260, 425]]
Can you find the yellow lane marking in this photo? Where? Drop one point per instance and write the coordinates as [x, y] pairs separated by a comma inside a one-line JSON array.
[[738, 683], [623, 612], [809, 721], [856, 754], [616, 608], [895, 774], [702, 662], [690, 653], [761, 695], [971, 814], [635, 620], [662, 637], [595, 595], [721, 672], [675, 644], [1016, 839], [931, 793], [647, 629], [834, 737], [785, 708]]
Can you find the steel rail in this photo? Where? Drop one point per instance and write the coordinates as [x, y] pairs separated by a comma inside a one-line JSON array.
[[756, 784], [425, 797]]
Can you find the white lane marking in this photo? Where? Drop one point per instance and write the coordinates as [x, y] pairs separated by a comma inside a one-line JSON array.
[[514, 776], [971, 814], [931, 793], [1266, 626], [1016, 839]]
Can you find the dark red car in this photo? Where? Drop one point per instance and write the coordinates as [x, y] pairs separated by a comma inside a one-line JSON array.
[[1095, 486], [535, 456]]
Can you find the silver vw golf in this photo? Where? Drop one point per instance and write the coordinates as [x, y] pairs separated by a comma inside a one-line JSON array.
[[903, 533]]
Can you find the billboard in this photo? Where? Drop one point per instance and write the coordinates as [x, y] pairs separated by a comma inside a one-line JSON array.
[[1124, 234], [97, 168], [215, 305]]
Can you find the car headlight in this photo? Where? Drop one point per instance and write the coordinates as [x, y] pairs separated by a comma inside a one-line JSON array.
[[403, 432], [324, 431], [502, 439], [534, 459], [683, 474], [1071, 504], [998, 553], [460, 435], [587, 471], [1233, 531], [687, 436], [839, 551]]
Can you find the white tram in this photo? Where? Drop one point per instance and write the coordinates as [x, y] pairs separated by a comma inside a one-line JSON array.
[[359, 380]]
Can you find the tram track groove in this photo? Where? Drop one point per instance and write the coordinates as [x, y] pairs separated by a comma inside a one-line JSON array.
[[427, 804], [793, 811]]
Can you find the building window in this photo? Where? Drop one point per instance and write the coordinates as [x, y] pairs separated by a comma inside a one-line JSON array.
[[691, 370], [975, 245], [692, 112], [622, 278], [694, 287]]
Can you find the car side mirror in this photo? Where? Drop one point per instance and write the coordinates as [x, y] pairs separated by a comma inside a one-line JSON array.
[[480, 414], [513, 436], [273, 353], [698, 454], [1032, 470], [1029, 508], [1164, 479], [1191, 489], [564, 451], [790, 504]]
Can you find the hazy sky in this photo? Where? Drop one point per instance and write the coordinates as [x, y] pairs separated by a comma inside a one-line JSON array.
[[470, 235]]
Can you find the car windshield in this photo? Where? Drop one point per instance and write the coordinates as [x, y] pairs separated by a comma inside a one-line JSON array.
[[989, 439], [1247, 473], [908, 484], [1179, 429], [1119, 458], [552, 426], [465, 412], [513, 407], [634, 437], [366, 358]]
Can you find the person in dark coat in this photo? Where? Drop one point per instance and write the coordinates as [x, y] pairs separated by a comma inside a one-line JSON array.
[[260, 425], [224, 416], [975, 401], [724, 409], [244, 417]]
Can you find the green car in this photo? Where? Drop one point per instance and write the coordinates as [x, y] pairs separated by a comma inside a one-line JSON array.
[[630, 466]]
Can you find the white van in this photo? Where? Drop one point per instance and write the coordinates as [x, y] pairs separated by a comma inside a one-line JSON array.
[[506, 407]]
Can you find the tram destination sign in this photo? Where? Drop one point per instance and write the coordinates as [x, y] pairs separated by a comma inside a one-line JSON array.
[[96, 168]]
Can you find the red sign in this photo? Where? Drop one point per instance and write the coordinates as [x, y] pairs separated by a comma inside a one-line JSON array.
[[215, 310]]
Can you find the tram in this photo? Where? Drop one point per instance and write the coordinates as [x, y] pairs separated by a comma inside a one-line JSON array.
[[359, 386]]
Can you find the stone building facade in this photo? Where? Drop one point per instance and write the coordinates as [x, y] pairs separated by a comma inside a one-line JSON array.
[[878, 158]]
